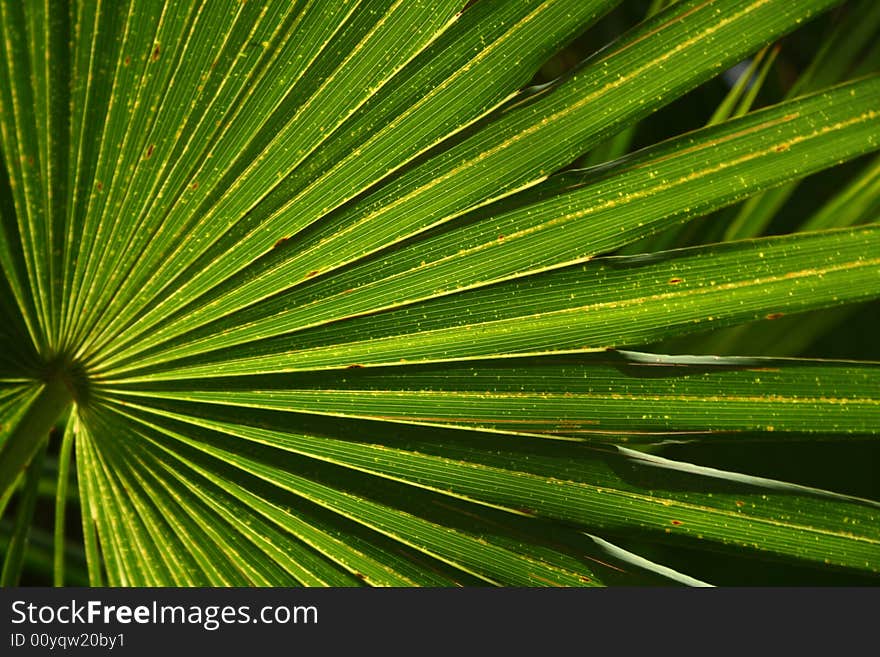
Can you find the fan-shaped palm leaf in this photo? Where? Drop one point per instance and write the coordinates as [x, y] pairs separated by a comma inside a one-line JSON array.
[[319, 305]]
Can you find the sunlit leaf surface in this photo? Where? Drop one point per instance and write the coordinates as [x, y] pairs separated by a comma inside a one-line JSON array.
[[308, 293]]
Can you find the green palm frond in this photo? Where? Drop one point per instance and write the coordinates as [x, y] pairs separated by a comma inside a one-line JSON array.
[[309, 293]]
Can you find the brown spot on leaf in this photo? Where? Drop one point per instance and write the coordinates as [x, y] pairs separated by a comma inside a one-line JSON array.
[[354, 366], [126, 61], [501, 238], [281, 242], [313, 273], [774, 315], [675, 522], [150, 150], [740, 503], [674, 281], [549, 582], [155, 56], [583, 578], [99, 185], [779, 148], [195, 185]]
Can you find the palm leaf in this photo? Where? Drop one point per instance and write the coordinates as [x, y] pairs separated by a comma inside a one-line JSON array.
[[319, 301]]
